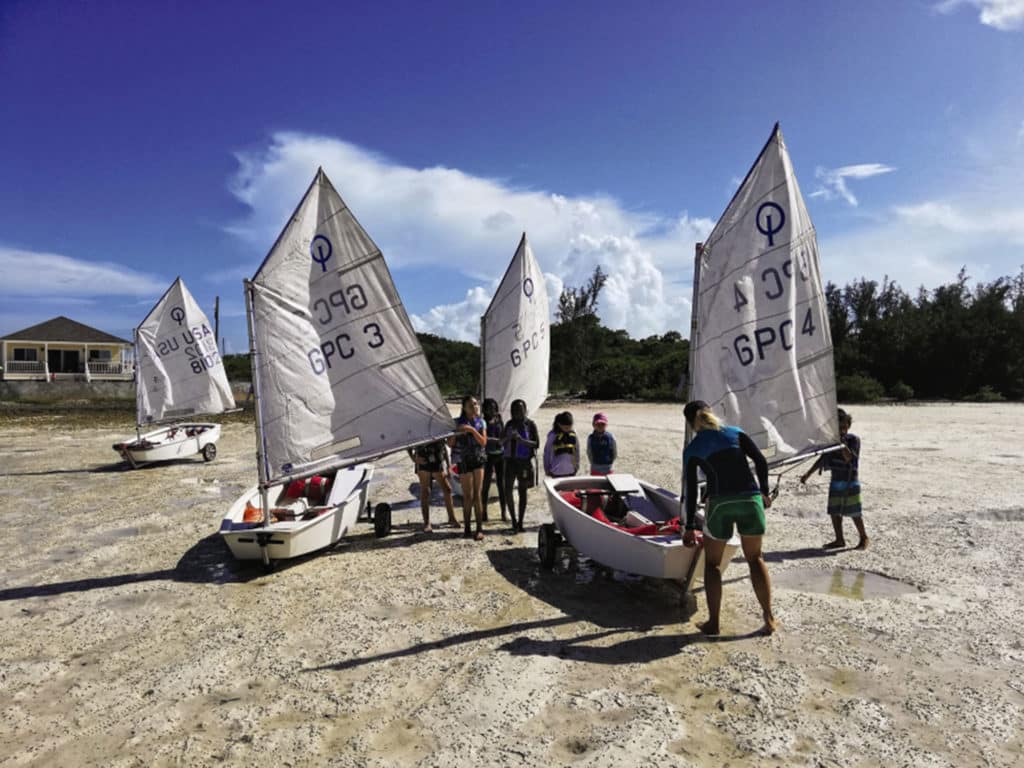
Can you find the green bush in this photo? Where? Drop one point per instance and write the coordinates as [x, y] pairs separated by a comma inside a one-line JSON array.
[[986, 395], [901, 391], [859, 389]]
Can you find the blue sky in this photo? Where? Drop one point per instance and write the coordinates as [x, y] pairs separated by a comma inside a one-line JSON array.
[[143, 140]]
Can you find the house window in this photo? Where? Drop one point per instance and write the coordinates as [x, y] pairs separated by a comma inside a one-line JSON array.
[[99, 355], [21, 354]]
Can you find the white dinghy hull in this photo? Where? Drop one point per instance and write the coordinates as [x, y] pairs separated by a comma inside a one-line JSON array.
[[659, 557], [178, 441], [323, 527]]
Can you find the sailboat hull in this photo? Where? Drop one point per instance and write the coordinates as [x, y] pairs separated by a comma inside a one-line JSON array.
[[178, 441], [313, 527], [660, 557]]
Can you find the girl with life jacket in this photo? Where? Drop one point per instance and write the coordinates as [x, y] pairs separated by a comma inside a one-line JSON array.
[[602, 449], [470, 440], [562, 451], [495, 461], [519, 441]]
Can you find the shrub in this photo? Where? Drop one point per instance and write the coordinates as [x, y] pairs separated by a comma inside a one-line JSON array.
[[859, 389], [901, 391], [986, 395]]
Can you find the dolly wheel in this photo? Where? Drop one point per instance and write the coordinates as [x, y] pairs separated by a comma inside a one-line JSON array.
[[382, 520], [547, 545], [209, 452]]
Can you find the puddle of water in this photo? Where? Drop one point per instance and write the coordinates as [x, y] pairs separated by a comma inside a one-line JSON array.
[[841, 582]]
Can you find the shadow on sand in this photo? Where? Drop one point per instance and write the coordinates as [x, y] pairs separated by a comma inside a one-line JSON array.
[[799, 554], [119, 466], [618, 608], [208, 561]]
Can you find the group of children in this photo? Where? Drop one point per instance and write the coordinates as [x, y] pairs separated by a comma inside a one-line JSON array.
[[486, 448]]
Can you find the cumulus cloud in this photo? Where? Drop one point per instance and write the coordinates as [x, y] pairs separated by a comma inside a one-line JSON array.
[[38, 274], [833, 180], [471, 225], [926, 244], [1004, 15]]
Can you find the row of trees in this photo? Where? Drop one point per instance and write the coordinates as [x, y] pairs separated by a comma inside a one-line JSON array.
[[953, 342]]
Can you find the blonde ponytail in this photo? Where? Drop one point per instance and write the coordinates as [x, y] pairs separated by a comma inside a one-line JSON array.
[[705, 419]]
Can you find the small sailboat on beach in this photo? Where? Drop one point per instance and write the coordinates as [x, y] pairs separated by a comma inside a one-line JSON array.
[[760, 354], [515, 340], [339, 379], [179, 374]]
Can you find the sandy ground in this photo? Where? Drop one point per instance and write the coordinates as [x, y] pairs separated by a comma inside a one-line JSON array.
[[131, 638]]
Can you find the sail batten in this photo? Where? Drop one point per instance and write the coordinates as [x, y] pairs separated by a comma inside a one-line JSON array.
[[179, 369], [762, 348], [342, 376], [515, 343]]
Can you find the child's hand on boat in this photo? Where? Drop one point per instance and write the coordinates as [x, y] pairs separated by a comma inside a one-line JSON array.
[[689, 538]]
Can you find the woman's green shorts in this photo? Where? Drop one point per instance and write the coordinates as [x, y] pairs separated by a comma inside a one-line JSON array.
[[744, 511]]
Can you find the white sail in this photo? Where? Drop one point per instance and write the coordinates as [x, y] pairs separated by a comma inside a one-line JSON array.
[[179, 372], [515, 342], [340, 374], [762, 352]]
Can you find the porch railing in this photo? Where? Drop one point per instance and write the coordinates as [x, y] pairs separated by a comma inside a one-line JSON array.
[[97, 368], [25, 366]]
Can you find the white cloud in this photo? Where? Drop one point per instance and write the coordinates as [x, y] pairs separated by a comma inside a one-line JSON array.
[[926, 244], [1004, 15], [33, 273], [834, 179], [455, 221]]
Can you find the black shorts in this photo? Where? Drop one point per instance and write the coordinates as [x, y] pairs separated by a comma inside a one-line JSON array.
[[431, 467], [470, 463], [521, 470]]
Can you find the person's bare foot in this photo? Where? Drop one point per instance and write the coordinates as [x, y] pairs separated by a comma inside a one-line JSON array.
[[708, 628], [427, 529], [771, 626], [837, 544], [863, 543], [479, 536]]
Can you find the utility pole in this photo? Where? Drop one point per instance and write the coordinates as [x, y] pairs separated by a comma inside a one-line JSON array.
[[216, 319]]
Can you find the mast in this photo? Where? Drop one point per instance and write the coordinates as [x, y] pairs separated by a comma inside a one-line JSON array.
[[254, 367], [692, 352], [138, 385], [483, 358]]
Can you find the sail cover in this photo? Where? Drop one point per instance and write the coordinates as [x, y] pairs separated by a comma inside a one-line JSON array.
[[179, 371], [515, 340], [340, 374], [763, 350]]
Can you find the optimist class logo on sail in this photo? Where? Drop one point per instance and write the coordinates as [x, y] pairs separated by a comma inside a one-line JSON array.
[[774, 282]]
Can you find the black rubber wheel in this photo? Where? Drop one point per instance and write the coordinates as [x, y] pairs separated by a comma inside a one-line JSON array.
[[547, 545], [209, 452], [381, 520]]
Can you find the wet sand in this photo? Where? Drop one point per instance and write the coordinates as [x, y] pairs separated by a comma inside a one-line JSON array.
[[131, 638]]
